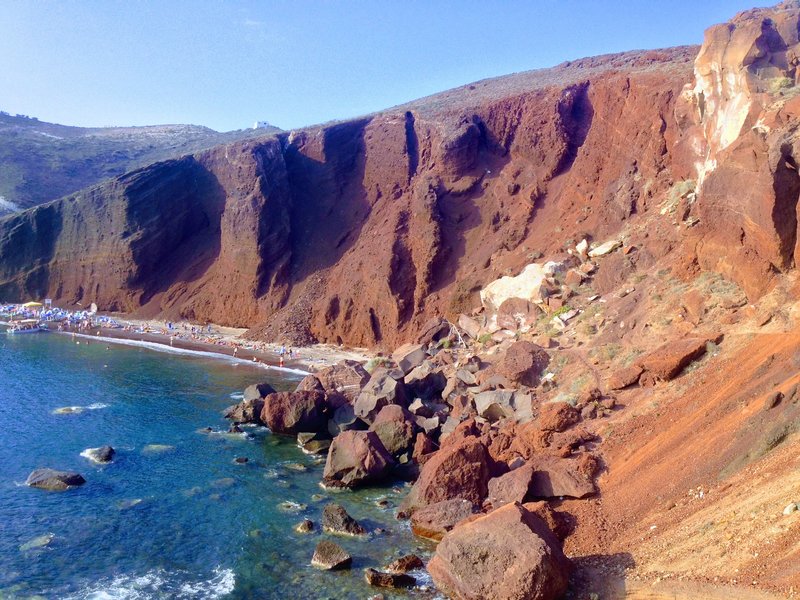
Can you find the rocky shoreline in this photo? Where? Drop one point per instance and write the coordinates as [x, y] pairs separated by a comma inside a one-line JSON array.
[[472, 415]]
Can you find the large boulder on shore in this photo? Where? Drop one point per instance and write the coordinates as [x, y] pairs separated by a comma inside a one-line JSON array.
[[394, 426], [524, 363], [247, 411], [459, 470], [257, 391], [355, 458], [435, 520], [293, 412], [55, 481], [381, 390], [509, 554], [346, 377], [554, 477]]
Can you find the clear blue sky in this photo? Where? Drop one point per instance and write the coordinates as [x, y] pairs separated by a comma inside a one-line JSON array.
[[226, 64]]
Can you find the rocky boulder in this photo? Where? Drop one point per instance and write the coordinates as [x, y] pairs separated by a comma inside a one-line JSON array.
[[346, 377], [530, 285], [511, 487], [409, 356], [460, 470], [336, 520], [395, 427], [101, 455], [434, 520], [246, 411], [355, 458], [557, 416], [55, 481], [509, 554], [381, 390], [523, 363], [404, 564], [554, 477], [669, 360], [258, 391], [625, 377], [331, 556], [388, 580], [293, 412]]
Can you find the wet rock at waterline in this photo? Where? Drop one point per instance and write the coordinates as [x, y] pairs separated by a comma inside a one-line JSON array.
[[331, 556], [388, 580], [52, 480], [101, 455], [335, 519], [354, 458]]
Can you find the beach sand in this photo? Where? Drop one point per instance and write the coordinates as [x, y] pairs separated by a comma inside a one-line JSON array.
[[224, 340]]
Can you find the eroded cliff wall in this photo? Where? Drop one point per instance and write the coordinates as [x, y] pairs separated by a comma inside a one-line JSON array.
[[359, 232]]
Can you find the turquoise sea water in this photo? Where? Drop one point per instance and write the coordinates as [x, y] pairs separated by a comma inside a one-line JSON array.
[[180, 520]]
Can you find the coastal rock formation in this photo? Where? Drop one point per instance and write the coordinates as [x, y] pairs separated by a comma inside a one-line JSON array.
[[360, 232], [509, 553], [336, 520], [331, 556], [101, 455], [460, 470], [434, 520], [355, 458], [293, 412], [54, 481]]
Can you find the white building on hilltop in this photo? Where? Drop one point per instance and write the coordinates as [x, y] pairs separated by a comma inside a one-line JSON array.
[[261, 125]]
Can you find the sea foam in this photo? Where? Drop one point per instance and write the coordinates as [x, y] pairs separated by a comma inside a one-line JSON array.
[[188, 352], [159, 584]]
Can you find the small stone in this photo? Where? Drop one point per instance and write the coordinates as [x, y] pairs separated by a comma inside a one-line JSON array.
[[240, 460], [336, 520], [304, 526], [790, 508], [388, 580], [331, 556], [404, 564]]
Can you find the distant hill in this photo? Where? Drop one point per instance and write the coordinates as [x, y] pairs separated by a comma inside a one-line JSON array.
[[42, 161]]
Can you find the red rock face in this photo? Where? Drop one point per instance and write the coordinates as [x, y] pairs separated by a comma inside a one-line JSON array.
[[508, 554], [361, 231]]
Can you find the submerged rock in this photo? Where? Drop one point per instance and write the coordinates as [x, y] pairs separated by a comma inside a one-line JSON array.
[[40, 541], [101, 455], [50, 479], [388, 580], [336, 520], [406, 563], [331, 556], [304, 526], [157, 448]]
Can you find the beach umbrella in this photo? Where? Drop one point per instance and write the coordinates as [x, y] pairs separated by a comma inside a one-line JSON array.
[[31, 304]]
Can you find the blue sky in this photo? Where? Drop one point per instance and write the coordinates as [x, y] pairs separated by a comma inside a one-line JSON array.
[[226, 64]]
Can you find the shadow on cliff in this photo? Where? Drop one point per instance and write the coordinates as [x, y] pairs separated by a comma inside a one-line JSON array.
[[27, 246], [179, 218], [329, 202]]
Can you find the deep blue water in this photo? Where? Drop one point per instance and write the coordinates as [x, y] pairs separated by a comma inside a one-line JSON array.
[[178, 522]]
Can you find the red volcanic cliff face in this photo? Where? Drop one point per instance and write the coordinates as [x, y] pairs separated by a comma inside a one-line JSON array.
[[369, 226], [359, 232]]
